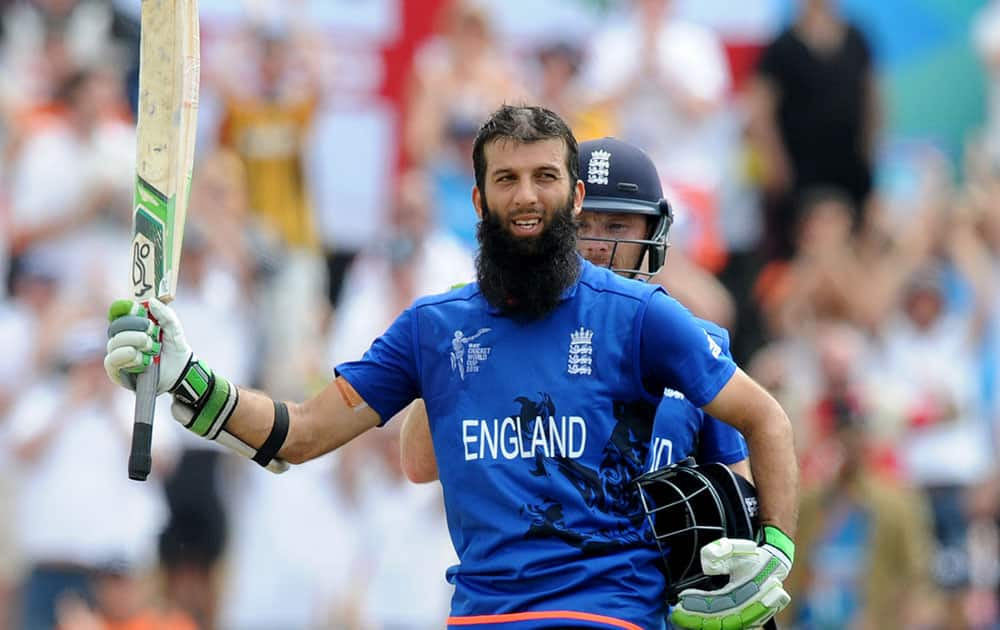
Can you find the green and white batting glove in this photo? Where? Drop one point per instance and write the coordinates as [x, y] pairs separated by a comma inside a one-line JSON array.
[[202, 400], [754, 594]]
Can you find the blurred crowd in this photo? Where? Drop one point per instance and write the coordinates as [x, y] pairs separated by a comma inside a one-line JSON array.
[[870, 309]]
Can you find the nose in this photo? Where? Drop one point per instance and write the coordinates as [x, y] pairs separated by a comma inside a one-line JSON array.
[[526, 196], [591, 248]]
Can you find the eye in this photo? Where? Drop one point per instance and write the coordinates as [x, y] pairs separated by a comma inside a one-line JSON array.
[[617, 227]]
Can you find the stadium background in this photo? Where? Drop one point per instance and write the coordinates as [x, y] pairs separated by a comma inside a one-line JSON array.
[[346, 180]]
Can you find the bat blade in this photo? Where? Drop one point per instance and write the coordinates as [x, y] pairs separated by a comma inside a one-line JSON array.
[[169, 67]]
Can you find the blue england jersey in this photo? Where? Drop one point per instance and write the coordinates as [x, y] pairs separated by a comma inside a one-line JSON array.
[[682, 429], [539, 429]]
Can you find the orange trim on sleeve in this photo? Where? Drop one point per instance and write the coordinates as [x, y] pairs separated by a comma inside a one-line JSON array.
[[565, 615]]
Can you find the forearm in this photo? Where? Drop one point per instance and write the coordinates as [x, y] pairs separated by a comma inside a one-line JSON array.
[[317, 426], [757, 415], [416, 447], [775, 471]]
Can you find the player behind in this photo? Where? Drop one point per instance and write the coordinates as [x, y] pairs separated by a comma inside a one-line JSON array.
[[526, 436]]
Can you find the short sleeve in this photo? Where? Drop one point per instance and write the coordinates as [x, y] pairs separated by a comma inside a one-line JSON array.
[[676, 352], [386, 377]]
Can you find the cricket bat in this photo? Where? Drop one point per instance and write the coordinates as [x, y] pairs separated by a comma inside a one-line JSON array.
[[169, 67]]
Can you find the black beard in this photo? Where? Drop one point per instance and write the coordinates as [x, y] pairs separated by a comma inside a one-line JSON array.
[[525, 277]]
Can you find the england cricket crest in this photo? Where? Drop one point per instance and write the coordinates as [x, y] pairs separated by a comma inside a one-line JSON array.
[[581, 351], [599, 167]]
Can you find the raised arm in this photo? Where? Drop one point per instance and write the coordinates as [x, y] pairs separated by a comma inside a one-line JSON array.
[[249, 422]]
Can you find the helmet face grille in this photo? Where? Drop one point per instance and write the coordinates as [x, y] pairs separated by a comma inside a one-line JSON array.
[[687, 509], [652, 250]]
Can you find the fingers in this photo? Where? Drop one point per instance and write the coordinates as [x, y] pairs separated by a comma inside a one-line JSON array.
[[133, 341], [122, 308], [718, 557], [117, 375], [127, 358], [134, 322], [167, 319], [775, 596]]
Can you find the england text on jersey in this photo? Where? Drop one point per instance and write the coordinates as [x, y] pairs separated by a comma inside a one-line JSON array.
[[514, 437]]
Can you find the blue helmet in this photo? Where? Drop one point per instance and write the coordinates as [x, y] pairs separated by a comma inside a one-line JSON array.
[[621, 178]]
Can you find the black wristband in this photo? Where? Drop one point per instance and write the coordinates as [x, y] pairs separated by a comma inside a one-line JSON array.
[[279, 430]]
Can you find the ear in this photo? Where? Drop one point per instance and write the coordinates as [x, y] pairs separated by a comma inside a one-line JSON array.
[[477, 202], [579, 192]]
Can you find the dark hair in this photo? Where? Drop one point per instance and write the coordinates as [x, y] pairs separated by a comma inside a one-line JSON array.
[[524, 124]]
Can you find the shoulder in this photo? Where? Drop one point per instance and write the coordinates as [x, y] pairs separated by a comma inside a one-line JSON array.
[[594, 279], [457, 295], [859, 41], [782, 45], [716, 332]]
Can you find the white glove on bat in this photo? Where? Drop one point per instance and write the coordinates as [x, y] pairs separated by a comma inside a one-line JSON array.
[[134, 340], [203, 400], [754, 594]]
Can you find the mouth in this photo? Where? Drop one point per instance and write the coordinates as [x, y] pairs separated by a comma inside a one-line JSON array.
[[526, 225]]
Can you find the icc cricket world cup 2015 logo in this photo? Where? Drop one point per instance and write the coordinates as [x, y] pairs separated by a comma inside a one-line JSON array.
[[466, 355]]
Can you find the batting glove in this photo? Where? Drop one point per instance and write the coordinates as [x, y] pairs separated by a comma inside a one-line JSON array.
[[135, 340], [203, 400], [754, 593]]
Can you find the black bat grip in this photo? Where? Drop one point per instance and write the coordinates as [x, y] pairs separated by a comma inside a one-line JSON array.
[[140, 459]]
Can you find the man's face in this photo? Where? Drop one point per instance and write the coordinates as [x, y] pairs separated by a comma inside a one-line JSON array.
[[527, 234], [526, 184], [612, 225]]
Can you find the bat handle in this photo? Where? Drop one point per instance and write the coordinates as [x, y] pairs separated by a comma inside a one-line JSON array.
[[140, 459]]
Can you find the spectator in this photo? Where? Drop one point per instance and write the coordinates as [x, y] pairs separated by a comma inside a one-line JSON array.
[[939, 414], [415, 258], [44, 41], [822, 280], [666, 80], [986, 40], [864, 554], [458, 77], [266, 121], [560, 88], [81, 223], [121, 602], [814, 116], [69, 523], [395, 583]]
